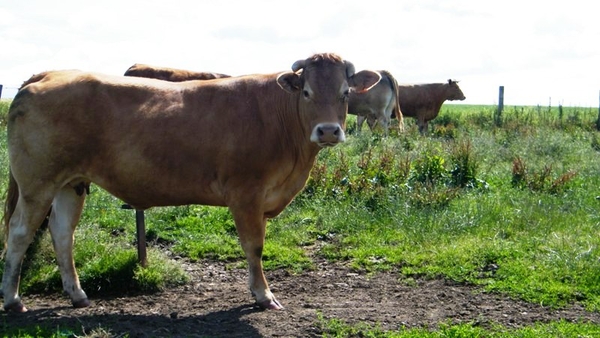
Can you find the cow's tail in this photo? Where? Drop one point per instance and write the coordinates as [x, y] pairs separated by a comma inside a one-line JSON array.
[[12, 196], [397, 112], [12, 191]]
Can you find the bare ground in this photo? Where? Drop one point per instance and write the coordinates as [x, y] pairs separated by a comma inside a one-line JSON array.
[[217, 303]]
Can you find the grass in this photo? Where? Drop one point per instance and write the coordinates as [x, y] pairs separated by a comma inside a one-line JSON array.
[[42, 331], [507, 202], [560, 329]]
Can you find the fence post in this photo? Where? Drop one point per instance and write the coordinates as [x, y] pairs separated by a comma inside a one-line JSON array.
[[141, 237], [0, 91], [598, 120], [497, 118], [140, 226]]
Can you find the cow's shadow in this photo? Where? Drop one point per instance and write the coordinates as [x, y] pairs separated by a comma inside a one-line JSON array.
[[223, 323]]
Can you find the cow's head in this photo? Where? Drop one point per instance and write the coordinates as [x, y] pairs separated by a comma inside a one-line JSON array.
[[323, 82], [454, 92]]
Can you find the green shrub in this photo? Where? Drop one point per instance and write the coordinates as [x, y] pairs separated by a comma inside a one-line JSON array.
[[430, 168], [464, 166]]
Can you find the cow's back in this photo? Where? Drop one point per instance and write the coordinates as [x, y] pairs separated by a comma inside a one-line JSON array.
[[170, 74], [142, 137]]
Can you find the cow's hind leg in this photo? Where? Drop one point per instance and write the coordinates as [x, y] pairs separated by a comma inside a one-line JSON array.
[[371, 122], [66, 211], [28, 216], [423, 125], [359, 122], [385, 124], [251, 231]]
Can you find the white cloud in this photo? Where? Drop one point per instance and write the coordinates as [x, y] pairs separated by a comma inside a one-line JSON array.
[[536, 50]]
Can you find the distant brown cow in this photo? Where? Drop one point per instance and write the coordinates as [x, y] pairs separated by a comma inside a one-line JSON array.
[[247, 143], [377, 104], [170, 74], [423, 101]]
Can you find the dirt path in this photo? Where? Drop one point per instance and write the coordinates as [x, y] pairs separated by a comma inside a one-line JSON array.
[[217, 303]]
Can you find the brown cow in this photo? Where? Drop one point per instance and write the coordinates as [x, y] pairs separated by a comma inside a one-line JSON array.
[[377, 104], [170, 74], [247, 143], [423, 101]]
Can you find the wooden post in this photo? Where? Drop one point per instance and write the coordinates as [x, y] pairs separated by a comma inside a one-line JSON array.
[[500, 100], [141, 237], [498, 115], [598, 121], [0, 91], [140, 225]]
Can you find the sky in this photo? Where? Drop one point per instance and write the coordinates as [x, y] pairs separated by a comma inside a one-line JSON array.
[[542, 52]]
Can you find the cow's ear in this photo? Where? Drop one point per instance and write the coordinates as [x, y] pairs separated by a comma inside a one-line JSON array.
[[290, 82], [364, 80]]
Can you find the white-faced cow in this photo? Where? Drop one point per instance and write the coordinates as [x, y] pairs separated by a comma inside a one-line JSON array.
[[170, 74], [377, 104], [247, 143], [423, 101]]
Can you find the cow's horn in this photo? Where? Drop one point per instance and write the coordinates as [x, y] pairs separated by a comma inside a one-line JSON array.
[[298, 65], [349, 68]]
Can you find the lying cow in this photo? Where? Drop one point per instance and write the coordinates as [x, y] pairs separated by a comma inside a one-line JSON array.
[[377, 104], [170, 74], [423, 101], [247, 143]]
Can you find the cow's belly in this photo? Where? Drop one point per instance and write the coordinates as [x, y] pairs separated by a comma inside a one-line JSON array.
[[268, 187], [143, 192]]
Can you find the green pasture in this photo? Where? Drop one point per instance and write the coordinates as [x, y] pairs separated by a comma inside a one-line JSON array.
[[507, 202]]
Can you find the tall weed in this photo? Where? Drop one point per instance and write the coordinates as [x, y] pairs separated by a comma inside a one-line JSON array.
[[539, 181]]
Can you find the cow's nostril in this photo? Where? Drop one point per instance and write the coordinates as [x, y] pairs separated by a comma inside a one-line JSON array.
[[328, 134], [332, 130]]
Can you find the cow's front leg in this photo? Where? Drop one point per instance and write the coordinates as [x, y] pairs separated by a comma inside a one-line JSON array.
[[251, 231]]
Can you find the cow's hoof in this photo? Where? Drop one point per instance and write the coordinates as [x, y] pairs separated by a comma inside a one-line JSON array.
[[270, 304], [17, 307], [81, 303]]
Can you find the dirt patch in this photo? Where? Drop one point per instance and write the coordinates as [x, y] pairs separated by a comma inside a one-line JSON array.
[[217, 303]]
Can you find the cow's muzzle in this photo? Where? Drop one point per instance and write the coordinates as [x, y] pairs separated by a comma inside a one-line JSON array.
[[328, 134]]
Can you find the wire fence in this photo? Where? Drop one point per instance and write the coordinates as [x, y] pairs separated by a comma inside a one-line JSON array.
[[8, 92]]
